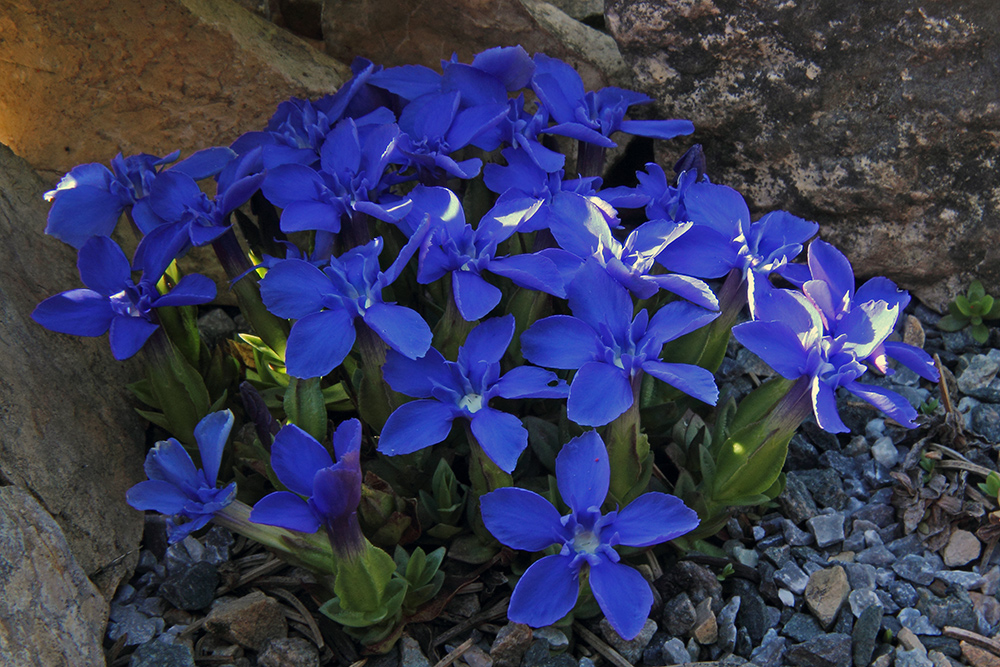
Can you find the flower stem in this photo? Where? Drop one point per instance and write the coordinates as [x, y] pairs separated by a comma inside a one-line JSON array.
[[628, 452], [589, 159]]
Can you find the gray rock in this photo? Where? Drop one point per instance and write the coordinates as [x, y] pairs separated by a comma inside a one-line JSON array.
[[678, 615], [127, 621], [967, 580], [802, 627], [770, 651], [411, 655], [191, 588], [955, 609], [69, 435], [792, 577], [903, 593], [631, 649], [289, 652], [885, 452], [984, 419], [794, 535], [162, 654], [675, 652], [778, 555], [828, 529], [855, 103], [696, 580], [975, 380], [865, 633], [861, 600], [726, 620], [796, 500], [216, 326], [881, 514], [50, 613], [914, 657], [752, 613], [554, 637], [826, 485], [510, 645], [914, 568], [917, 622], [832, 650], [861, 576]]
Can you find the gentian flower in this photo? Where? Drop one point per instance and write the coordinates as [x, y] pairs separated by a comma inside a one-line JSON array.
[[89, 199], [548, 590], [790, 337], [351, 178], [723, 238], [320, 493], [580, 227], [113, 301], [593, 117], [661, 200], [462, 390], [611, 350], [326, 302], [831, 290], [450, 245], [176, 487]]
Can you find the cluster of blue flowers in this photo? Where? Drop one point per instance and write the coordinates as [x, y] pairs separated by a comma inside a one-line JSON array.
[[543, 271]]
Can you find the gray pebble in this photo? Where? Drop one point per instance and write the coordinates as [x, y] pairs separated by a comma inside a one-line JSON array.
[[917, 622], [792, 577], [675, 652], [827, 529], [885, 452], [915, 568]]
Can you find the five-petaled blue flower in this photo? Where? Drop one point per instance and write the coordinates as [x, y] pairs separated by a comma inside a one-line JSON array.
[[611, 350], [462, 390], [175, 486], [548, 590], [320, 493], [113, 301]]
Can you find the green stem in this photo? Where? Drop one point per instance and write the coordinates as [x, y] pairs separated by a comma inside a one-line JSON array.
[[271, 329], [628, 451]]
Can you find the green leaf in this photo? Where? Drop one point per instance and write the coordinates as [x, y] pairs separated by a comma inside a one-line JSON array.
[[543, 437], [360, 584], [976, 291], [952, 323], [305, 407], [143, 390], [985, 305], [750, 462], [756, 404], [980, 333], [963, 305], [157, 418]]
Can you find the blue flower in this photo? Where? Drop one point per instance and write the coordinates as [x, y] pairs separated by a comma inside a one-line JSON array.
[[462, 390], [320, 493], [662, 200], [175, 486], [831, 290], [611, 350], [580, 226], [351, 178], [548, 590], [113, 301], [789, 335], [326, 302], [593, 117], [723, 238], [450, 245]]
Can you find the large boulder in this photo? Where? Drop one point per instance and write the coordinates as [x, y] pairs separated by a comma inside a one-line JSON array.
[[50, 613], [89, 79], [392, 33], [69, 435], [878, 120]]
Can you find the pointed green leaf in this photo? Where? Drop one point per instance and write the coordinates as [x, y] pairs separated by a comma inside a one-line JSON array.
[[952, 323], [304, 406], [963, 305], [980, 333], [976, 291]]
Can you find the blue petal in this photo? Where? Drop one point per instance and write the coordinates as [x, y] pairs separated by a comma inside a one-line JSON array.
[[177, 533], [168, 461], [347, 438], [653, 518], [692, 289], [676, 319], [692, 380], [341, 152], [337, 492], [580, 132], [831, 266], [80, 213], [599, 393], [416, 425], [561, 341], [474, 296], [429, 116], [501, 435], [776, 344], [295, 458], [211, 434], [913, 358], [887, 401], [623, 595], [401, 328], [172, 193], [285, 510], [291, 183], [717, 206], [579, 226], [488, 341], [558, 85], [535, 272], [128, 335], [882, 289], [407, 81], [301, 216], [205, 163], [510, 64], [545, 593], [701, 251], [522, 519], [318, 343], [824, 403], [657, 129], [597, 298], [294, 288], [531, 382], [103, 266], [583, 472], [471, 123], [867, 326], [191, 290], [79, 312], [416, 377], [157, 495]]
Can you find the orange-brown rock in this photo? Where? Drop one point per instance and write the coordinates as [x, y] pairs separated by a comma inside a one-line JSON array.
[[83, 81]]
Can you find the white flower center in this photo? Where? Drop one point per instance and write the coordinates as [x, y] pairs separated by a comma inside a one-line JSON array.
[[471, 402]]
